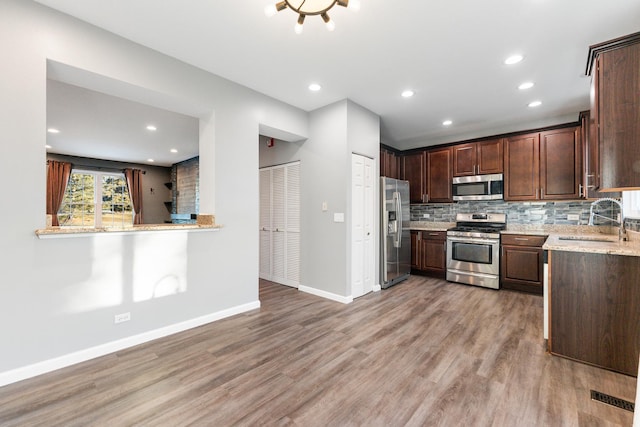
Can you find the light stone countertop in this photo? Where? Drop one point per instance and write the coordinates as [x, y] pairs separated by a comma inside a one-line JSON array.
[[431, 226], [81, 231], [610, 246], [545, 230]]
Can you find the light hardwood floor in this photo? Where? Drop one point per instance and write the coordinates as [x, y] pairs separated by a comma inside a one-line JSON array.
[[422, 353]]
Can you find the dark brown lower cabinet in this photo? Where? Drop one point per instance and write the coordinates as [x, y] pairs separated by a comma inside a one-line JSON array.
[[521, 263], [595, 309], [429, 252]]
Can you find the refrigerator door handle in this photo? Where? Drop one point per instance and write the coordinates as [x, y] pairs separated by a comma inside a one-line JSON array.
[[398, 198]]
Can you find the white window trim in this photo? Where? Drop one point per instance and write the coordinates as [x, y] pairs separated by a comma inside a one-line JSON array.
[[631, 204]]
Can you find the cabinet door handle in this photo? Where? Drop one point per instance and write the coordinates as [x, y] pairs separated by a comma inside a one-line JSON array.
[[522, 238], [433, 234], [580, 191]]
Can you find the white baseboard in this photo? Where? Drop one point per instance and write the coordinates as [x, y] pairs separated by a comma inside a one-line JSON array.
[[45, 366], [325, 294], [377, 288]]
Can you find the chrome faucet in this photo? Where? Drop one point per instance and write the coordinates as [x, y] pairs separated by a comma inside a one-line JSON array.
[[622, 231]]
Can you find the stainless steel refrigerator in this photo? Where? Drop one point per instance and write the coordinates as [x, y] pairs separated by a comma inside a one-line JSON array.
[[395, 239]]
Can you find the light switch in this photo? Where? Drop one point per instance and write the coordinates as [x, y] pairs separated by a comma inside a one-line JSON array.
[[324, 206], [338, 217]]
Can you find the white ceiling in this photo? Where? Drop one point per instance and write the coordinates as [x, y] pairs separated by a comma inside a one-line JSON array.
[[450, 53], [96, 125]]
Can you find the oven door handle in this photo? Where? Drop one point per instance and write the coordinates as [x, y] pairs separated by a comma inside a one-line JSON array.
[[473, 240]]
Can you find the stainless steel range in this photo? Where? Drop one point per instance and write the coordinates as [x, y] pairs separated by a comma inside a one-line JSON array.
[[473, 249]]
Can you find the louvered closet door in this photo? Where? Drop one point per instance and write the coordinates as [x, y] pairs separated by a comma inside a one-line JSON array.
[[293, 225], [265, 224], [280, 224]]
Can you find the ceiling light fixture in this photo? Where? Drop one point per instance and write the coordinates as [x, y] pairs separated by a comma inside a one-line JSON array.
[[47, 146], [310, 7], [408, 93], [173, 150], [514, 59], [53, 130], [535, 104], [151, 127], [314, 87], [447, 123], [525, 85], [150, 160]]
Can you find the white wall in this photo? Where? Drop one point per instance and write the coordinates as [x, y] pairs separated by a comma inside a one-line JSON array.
[[59, 296], [335, 132]]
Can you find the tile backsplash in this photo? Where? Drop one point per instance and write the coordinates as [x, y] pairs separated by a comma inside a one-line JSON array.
[[530, 213]]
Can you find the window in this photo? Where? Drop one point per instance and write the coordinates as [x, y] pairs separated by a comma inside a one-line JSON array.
[[96, 199], [631, 204]]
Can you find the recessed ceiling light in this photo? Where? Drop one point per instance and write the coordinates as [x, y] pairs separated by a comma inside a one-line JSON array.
[[447, 123], [525, 85], [173, 150], [535, 104], [513, 59], [47, 146], [53, 130], [151, 128], [150, 160], [314, 87], [408, 93]]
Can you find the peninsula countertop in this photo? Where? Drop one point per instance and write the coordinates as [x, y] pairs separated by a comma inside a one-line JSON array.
[[595, 243]]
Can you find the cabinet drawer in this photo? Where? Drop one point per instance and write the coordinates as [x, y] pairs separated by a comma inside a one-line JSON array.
[[523, 240], [434, 235]]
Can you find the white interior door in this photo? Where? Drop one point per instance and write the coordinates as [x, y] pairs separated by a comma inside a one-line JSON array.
[[362, 216], [280, 224]]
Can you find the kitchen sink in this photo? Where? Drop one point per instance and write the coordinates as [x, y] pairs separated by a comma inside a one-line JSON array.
[[588, 238]]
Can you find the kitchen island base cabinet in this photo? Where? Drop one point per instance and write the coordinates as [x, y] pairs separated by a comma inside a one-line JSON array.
[[595, 309]]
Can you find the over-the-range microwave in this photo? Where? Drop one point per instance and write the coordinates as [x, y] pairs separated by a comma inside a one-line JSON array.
[[478, 187]]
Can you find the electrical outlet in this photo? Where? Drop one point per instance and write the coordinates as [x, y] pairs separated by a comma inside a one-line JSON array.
[[425, 215], [573, 217], [122, 317]]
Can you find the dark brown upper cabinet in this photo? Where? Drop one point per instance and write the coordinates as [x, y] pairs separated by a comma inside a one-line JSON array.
[[615, 114], [560, 164], [389, 164], [521, 167], [439, 175], [414, 170], [478, 158], [543, 166]]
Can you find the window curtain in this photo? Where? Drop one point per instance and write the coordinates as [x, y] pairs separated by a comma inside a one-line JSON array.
[[134, 182], [58, 174]]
